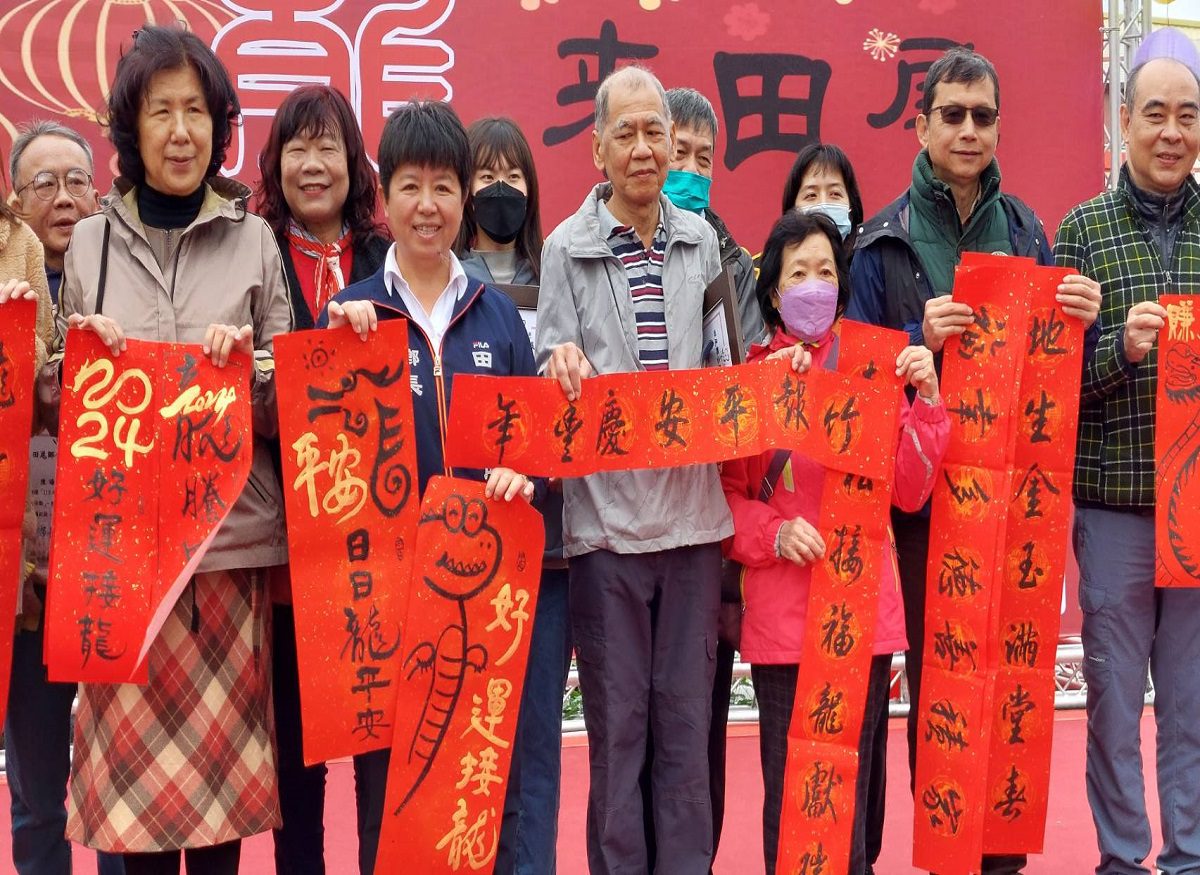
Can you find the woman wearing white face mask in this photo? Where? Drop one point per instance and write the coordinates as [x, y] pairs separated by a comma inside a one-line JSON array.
[[802, 291], [822, 181]]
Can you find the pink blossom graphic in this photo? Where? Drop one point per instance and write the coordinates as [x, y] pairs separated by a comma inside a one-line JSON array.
[[747, 21]]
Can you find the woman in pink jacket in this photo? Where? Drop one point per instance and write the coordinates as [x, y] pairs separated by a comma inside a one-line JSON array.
[[802, 290]]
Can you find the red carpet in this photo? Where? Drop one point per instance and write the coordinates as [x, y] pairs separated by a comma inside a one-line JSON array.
[[1070, 838]]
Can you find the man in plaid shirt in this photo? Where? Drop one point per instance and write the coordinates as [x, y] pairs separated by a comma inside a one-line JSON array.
[[1139, 241]]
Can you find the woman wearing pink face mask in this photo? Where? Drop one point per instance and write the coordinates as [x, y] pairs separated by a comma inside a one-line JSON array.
[[775, 499]]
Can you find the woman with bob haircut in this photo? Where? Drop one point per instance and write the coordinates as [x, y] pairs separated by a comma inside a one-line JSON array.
[[501, 236], [424, 174], [184, 763], [775, 500], [501, 242], [822, 180], [319, 194]]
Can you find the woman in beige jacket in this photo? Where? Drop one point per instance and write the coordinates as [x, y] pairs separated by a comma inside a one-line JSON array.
[[185, 762]]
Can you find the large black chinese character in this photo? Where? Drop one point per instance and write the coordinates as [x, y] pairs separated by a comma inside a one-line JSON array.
[[1031, 572], [1044, 335], [7, 399], [99, 644], [984, 335], [670, 412], [819, 785], [943, 807], [733, 409], [792, 400], [763, 97], [946, 726], [846, 555], [814, 861], [110, 485], [102, 535], [841, 418], [1016, 706], [956, 577], [1039, 418], [1030, 490], [1012, 803], [607, 50], [365, 639], [565, 429], [503, 424], [103, 586], [826, 715], [612, 428], [837, 635], [200, 495], [978, 413], [1021, 645], [952, 648], [910, 78]]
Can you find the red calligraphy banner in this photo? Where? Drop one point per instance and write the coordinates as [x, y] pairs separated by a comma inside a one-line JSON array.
[[350, 491], [1177, 447], [17, 351], [831, 691], [154, 449], [465, 650], [666, 418], [997, 558]]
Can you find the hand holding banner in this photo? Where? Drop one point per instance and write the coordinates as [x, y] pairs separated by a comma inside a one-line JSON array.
[[154, 449]]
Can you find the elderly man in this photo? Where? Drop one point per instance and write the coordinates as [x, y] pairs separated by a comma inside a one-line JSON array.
[[902, 275], [689, 182], [1140, 241], [622, 285], [51, 170]]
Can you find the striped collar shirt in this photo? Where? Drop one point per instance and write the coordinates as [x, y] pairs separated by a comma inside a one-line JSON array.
[[643, 269]]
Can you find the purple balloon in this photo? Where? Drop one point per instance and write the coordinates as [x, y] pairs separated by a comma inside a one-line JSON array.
[[1168, 42]]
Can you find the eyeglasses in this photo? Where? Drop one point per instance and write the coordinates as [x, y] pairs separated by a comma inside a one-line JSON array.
[[45, 185], [953, 114]]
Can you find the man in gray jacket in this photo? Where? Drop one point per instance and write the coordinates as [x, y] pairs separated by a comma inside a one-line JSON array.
[[623, 281]]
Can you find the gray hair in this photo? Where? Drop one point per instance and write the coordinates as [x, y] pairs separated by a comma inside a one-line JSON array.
[[691, 109], [27, 133], [634, 77], [1131, 85]]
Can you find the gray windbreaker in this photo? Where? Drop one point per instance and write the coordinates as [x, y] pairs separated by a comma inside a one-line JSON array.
[[585, 299]]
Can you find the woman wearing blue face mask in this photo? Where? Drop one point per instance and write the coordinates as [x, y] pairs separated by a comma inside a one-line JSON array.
[[802, 291], [822, 181]]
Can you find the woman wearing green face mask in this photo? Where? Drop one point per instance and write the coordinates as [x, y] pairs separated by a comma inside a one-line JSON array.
[[822, 180]]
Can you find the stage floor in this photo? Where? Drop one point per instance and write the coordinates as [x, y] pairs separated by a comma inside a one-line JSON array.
[[1070, 837]]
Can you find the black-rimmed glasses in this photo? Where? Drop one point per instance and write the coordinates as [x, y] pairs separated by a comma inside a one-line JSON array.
[[955, 114]]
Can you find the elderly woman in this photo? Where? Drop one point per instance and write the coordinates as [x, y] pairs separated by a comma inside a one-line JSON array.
[[775, 500], [186, 761], [319, 194]]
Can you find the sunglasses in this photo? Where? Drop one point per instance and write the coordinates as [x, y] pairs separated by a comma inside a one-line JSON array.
[[954, 114]]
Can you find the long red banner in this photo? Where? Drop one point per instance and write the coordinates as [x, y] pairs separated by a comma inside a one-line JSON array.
[[465, 649], [831, 692], [350, 490], [17, 352], [1001, 512], [154, 449], [666, 418], [1177, 446]]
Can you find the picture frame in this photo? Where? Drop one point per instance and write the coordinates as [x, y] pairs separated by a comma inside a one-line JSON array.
[[723, 342]]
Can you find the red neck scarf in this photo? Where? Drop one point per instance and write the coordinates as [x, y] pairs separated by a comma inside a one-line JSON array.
[[327, 276]]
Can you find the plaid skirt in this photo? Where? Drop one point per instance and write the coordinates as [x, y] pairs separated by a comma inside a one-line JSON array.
[[188, 760]]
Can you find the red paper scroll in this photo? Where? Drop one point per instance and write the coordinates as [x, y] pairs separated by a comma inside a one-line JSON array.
[[1001, 513], [664, 418], [1177, 446], [831, 691], [466, 645], [17, 321], [154, 449], [350, 489]]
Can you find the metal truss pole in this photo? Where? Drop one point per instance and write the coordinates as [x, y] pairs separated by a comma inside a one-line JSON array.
[[1129, 21]]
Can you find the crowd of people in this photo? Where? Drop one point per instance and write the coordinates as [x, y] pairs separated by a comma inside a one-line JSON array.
[[652, 578]]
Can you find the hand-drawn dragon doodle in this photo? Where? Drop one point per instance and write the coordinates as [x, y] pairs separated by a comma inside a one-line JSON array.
[[467, 565], [1179, 485]]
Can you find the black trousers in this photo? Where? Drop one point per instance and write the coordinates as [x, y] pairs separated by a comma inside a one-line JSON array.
[[775, 690], [219, 859]]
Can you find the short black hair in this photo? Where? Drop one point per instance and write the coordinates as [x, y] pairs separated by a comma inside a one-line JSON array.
[[691, 109], [824, 156], [791, 228], [959, 64], [154, 50], [427, 133]]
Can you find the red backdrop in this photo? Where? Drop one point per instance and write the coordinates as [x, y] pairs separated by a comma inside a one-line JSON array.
[[778, 72]]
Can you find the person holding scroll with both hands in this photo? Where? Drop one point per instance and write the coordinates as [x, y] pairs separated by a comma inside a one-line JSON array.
[[186, 762], [775, 499], [424, 175]]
